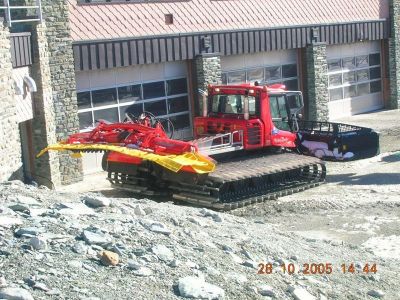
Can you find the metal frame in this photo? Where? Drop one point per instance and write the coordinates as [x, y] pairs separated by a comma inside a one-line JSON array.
[[7, 8], [221, 143]]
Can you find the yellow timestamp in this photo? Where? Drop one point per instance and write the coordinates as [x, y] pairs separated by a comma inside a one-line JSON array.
[[317, 268]]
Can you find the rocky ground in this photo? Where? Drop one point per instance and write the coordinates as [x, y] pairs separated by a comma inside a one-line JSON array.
[[71, 244]]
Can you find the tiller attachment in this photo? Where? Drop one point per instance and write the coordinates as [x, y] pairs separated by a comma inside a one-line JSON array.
[[137, 140]]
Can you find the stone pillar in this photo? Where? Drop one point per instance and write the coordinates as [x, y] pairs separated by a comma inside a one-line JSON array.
[[394, 55], [46, 168], [207, 71], [10, 144], [316, 83], [57, 108]]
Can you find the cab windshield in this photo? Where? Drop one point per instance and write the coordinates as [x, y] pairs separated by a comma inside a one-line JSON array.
[[232, 104]]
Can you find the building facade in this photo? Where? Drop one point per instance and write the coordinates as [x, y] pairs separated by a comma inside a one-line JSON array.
[[106, 58]]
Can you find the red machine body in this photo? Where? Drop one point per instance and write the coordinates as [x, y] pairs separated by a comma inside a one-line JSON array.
[[258, 128]]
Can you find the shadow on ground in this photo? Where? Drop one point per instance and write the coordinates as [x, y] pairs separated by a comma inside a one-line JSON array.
[[374, 178], [392, 158]]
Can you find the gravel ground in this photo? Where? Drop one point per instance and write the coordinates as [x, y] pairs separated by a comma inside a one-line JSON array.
[[71, 244]]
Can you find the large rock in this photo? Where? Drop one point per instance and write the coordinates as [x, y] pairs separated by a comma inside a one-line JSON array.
[[95, 200], [15, 294], [96, 238], [29, 231], [157, 227], [139, 211], [376, 293], [196, 287], [109, 258], [143, 272], [38, 243], [266, 290], [300, 293], [75, 209], [163, 253], [208, 213], [22, 203]]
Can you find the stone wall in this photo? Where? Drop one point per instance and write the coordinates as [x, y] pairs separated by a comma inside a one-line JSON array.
[[63, 86], [394, 55], [207, 71], [10, 147], [316, 83]]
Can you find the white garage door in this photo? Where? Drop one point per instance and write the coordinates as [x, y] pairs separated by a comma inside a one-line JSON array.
[[161, 89], [355, 84], [269, 67]]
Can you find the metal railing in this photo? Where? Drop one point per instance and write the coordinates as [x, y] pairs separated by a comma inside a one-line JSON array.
[[220, 143], [8, 9]]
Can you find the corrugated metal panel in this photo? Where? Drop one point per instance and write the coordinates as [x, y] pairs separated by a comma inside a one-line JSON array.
[[21, 49], [111, 54]]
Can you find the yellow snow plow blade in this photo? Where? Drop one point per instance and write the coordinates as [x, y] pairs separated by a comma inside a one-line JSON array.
[[198, 162]]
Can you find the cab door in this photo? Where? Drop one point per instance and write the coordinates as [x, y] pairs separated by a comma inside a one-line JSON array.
[[281, 135]]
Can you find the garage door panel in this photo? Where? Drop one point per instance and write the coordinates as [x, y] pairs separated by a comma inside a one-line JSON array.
[[354, 73]]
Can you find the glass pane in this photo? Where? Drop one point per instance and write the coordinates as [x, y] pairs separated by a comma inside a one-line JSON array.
[[153, 90], [374, 59], [375, 73], [273, 73], [334, 64], [179, 104], [362, 75], [180, 122], [224, 78], [335, 80], [157, 108], [129, 93], [335, 94], [376, 86], [349, 77], [363, 89], [104, 97], [362, 61], [237, 77], [85, 120], [84, 100], [134, 109], [176, 86], [349, 91], [349, 63], [109, 114], [255, 75], [291, 85], [289, 71], [274, 106]]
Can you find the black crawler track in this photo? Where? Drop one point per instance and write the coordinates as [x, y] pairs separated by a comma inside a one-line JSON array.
[[234, 184]]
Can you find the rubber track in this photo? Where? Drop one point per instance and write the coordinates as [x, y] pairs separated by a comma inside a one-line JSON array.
[[286, 174]]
